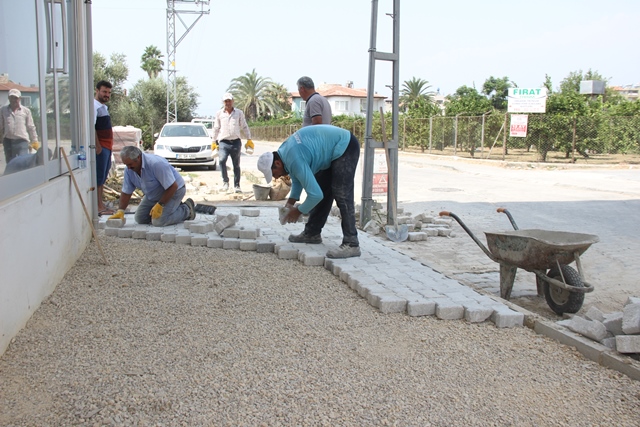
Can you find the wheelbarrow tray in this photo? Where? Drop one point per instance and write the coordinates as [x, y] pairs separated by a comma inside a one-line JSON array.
[[538, 249]]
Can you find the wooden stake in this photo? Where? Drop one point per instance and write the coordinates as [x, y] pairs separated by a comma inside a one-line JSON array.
[[86, 212]]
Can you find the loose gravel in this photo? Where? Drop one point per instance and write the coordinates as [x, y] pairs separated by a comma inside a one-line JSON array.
[[173, 335]]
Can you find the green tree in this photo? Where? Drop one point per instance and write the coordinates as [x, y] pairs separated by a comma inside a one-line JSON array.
[[251, 94], [467, 101], [280, 95], [151, 61], [413, 91], [497, 89]]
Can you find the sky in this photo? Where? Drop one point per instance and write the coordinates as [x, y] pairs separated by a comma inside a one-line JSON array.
[[448, 43]]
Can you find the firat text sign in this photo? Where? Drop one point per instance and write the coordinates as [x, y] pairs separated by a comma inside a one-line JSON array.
[[523, 100]]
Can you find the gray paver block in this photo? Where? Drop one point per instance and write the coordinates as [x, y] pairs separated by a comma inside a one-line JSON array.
[[631, 319], [231, 233], [248, 233], [476, 313], [168, 237], [421, 307], [594, 314], [250, 212], [504, 317], [199, 240], [628, 343], [215, 242], [201, 228], [125, 232], [230, 243], [183, 239], [248, 245], [313, 259], [111, 232], [613, 323], [288, 252], [609, 342], [392, 304], [265, 246], [448, 310], [225, 222], [417, 236], [116, 223], [154, 235], [139, 234]]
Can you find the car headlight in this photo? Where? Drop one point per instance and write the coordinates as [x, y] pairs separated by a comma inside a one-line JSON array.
[[159, 147]]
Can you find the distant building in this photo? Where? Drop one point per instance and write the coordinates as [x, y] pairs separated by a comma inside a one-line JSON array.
[[343, 100], [30, 94], [629, 92]]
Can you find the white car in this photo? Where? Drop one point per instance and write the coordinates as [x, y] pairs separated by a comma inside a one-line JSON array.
[[186, 144], [208, 123]]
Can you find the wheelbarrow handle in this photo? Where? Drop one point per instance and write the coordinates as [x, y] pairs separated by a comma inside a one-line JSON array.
[[508, 214], [470, 233]]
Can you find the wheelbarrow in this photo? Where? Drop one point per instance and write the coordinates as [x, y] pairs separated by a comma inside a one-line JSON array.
[[544, 253]]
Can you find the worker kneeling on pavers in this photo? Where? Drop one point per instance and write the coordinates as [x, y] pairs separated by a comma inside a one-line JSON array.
[[163, 189], [322, 160]]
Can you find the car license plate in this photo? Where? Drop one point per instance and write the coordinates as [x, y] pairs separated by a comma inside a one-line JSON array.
[[185, 156]]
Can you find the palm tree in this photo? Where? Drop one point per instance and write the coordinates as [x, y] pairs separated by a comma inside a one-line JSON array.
[[280, 96], [151, 62], [251, 94], [413, 90]]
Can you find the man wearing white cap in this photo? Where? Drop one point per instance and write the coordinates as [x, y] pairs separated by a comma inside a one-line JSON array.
[[227, 126], [322, 160], [17, 128]]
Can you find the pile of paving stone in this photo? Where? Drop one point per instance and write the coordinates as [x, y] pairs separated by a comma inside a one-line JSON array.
[[619, 330], [420, 226]]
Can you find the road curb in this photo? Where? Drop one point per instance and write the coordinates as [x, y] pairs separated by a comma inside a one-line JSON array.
[[592, 350]]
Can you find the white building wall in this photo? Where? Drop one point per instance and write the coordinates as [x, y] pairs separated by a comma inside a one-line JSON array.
[[43, 233]]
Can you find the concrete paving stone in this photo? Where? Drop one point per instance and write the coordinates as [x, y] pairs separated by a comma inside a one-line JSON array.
[[504, 317], [417, 236], [430, 232], [139, 233], [448, 310], [201, 228], [248, 244], [169, 237], [593, 313], [188, 223], [250, 212], [476, 313], [111, 232], [231, 233], [125, 232], [613, 323], [214, 241], [628, 344], [367, 288], [632, 300], [313, 259], [391, 303], [154, 235], [421, 307], [183, 239], [609, 342], [249, 233], [199, 239], [101, 225], [230, 243], [265, 246], [631, 319], [288, 252], [115, 223]]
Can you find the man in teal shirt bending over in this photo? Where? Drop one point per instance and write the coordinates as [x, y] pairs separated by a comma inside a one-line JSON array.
[[322, 160]]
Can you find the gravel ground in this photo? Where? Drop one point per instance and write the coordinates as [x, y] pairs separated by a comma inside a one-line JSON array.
[[173, 335]]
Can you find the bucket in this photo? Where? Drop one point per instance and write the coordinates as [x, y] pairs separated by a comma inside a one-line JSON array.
[[261, 192]]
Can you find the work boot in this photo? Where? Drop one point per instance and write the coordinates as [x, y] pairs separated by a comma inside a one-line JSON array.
[[344, 251], [238, 190], [225, 186], [305, 238], [192, 209]]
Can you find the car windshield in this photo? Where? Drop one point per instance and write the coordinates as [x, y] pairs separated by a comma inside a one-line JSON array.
[[184, 130]]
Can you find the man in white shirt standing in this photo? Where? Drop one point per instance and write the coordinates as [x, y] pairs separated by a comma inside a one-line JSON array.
[[226, 132]]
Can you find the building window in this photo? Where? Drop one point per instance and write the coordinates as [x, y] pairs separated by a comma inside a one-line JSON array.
[[303, 105], [25, 101], [342, 105], [363, 105]]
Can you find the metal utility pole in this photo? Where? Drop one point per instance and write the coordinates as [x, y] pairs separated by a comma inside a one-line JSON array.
[[369, 144], [172, 44]]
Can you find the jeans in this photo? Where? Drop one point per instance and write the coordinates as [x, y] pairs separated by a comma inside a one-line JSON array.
[[174, 210], [226, 148], [336, 184], [14, 148]]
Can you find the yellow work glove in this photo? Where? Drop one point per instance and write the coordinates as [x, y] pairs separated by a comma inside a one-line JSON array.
[[156, 211], [117, 215], [214, 145], [249, 146], [35, 145]]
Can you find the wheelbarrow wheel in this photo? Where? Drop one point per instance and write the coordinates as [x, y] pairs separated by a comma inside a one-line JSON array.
[[562, 300]]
